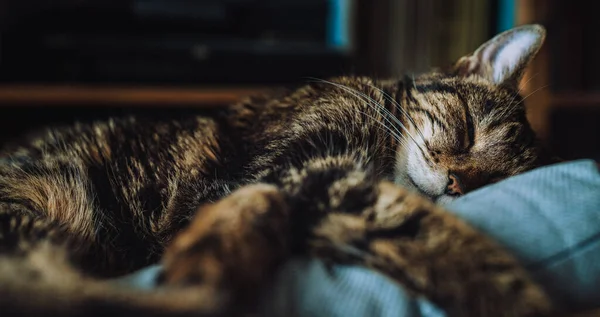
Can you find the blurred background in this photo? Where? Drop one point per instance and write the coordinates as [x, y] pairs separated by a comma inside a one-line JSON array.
[[65, 60]]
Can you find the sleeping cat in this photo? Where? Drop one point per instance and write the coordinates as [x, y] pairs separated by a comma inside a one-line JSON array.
[[346, 169]]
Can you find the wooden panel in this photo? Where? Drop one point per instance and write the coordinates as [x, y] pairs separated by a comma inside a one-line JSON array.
[[119, 96], [576, 99], [535, 84]]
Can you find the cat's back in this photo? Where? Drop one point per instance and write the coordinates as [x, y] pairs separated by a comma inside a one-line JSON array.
[[145, 140], [114, 179]]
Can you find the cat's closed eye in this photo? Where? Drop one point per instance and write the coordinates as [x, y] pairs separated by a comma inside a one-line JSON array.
[[470, 132]]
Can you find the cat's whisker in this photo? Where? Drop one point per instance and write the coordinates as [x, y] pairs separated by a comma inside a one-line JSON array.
[[369, 100], [385, 127], [533, 92], [528, 80], [395, 134], [378, 107], [520, 89], [516, 95], [399, 108], [388, 113]]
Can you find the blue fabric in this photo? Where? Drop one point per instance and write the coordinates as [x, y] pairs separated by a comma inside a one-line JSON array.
[[309, 288], [144, 279], [549, 218]]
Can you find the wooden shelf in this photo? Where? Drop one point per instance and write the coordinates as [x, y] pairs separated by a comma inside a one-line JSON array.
[[576, 99], [84, 95]]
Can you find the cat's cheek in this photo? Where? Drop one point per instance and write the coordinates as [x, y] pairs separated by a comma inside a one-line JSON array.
[[401, 171], [429, 179]]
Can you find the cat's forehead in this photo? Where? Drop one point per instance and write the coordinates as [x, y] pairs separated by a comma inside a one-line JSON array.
[[477, 94], [465, 87]]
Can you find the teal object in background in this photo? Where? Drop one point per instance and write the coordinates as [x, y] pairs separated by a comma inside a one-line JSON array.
[[506, 15], [338, 24]]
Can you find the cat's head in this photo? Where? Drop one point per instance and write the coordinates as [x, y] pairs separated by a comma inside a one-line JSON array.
[[468, 124]]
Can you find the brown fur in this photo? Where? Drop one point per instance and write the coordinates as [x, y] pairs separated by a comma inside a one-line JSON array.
[[229, 195]]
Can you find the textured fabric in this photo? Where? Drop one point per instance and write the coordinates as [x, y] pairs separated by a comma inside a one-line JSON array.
[[309, 288], [144, 279], [549, 218]]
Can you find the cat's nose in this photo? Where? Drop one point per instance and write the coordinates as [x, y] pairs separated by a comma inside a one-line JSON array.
[[454, 187]]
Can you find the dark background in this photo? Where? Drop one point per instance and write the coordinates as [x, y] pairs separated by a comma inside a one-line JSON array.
[[66, 60]]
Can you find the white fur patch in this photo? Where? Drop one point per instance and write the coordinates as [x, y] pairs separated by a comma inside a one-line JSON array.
[[511, 55], [414, 173]]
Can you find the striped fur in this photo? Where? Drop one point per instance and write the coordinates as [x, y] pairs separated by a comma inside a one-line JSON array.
[[224, 197]]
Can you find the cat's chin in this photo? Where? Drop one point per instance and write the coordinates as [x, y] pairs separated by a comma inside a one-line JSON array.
[[407, 183], [441, 200], [405, 180]]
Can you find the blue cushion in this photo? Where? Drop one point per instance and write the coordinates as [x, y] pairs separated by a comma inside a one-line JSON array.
[[309, 288], [549, 218]]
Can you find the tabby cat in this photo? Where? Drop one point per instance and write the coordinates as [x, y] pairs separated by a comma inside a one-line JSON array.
[[347, 170]]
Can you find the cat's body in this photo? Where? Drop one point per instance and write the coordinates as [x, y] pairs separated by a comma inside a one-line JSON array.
[[311, 171]]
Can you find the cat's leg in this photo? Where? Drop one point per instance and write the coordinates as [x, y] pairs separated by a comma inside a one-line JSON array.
[[332, 209], [365, 221], [37, 278], [431, 253], [232, 246]]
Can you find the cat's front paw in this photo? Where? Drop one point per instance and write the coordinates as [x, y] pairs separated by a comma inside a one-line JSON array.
[[230, 245], [432, 253]]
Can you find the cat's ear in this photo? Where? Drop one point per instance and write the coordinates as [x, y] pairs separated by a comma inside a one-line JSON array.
[[503, 59]]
